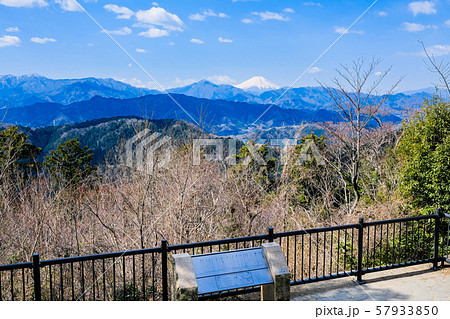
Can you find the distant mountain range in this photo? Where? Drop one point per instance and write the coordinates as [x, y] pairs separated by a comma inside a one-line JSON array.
[[219, 117], [36, 101], [303, 98], [16, 91], [207, 90]]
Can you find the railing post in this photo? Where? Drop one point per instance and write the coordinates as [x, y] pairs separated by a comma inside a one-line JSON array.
[[360, 250], [164, 250], [37, 277], [437, 226], [270, 234]]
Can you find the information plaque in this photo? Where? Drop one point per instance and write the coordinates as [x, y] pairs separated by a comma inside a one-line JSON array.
[[231, 270]]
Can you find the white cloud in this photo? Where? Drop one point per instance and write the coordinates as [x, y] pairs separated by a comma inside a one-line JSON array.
[[91, 44], [341, 30], [154, 33], [415, 27], [378, 73], [159, 17], [8, 41], [315, 69], [123, 12], [42, 40], [289, 10], [382, 13], [123, 31], [185, 82], [135, 82], [155, 4], [13, 29], [139, 84], [310, 3], [207, 13], [247, 21], [267, 15], [438, 50], [24, 3], [221, 79], [197, 17], [197, 41], [171, 43], [425, 7], [225, 40], [68, 5], [447, 23], [141, 50]]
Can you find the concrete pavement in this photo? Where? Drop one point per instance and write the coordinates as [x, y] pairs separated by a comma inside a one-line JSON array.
[[410, 283]]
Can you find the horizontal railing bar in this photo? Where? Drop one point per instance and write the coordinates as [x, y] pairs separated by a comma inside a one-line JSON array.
[[327, 277], [314, 230], [27, 265], [399, 265], [100, 256], [399, 220], [217, 242]]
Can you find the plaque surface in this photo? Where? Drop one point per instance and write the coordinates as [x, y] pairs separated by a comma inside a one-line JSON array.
[[230, 270]]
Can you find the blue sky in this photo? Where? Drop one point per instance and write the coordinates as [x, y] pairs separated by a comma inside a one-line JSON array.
[[226, 41]]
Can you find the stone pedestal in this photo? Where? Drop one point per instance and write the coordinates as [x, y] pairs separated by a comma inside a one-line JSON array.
[[184, 283], [280, 289]]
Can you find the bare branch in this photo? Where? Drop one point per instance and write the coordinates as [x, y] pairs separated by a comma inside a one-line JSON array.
[[441, 68]]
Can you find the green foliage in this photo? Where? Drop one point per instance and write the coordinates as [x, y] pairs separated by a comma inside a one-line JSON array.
[[132, 293], [307, 177], [70, 163], [424, 151], [346, 258], [16, 154], [262, 173], [318, 141]]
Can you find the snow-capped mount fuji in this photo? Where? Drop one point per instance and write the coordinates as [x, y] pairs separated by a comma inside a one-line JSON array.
[[257, 84]]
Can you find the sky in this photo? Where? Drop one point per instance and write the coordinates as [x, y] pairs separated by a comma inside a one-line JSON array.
[[178, 42]]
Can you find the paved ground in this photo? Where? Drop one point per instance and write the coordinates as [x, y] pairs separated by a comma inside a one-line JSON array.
[[409, 283]]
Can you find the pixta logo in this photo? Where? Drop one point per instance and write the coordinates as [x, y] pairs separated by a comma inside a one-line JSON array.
[[308, 152], [145, 151]]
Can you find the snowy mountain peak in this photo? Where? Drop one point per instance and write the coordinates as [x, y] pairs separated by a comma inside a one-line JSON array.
[[257, 84]]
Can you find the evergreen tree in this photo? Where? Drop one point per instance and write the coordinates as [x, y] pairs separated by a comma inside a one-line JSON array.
[[262, 168], [70, 163], [424, 151], [17, 156]]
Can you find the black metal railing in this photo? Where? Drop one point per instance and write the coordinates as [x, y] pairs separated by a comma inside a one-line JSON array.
[[312, 255], [321, 253]]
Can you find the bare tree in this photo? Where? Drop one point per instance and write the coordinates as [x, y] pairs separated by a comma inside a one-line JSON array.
[[442, 68], [358, 101]]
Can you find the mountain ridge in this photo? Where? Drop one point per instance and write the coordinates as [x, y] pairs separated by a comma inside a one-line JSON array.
[[16, 91], [219, 117], [106, 136], [25, 90]]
